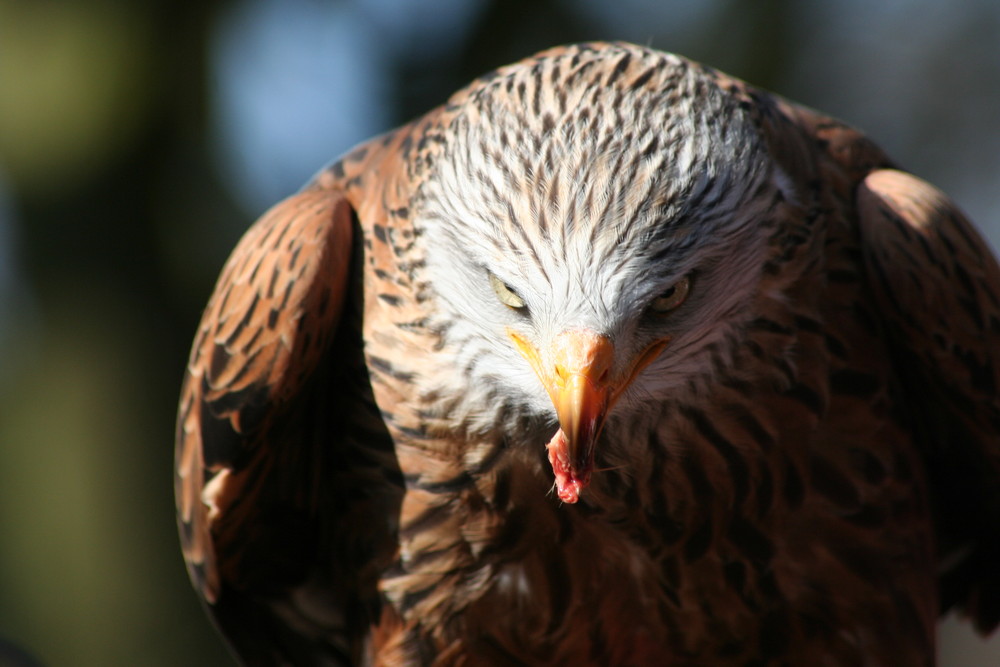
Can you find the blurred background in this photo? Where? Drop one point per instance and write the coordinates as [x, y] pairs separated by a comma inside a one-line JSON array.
[[138, 139]]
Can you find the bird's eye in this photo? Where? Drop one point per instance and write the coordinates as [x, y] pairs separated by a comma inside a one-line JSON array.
[[507, 296], [673, 297]]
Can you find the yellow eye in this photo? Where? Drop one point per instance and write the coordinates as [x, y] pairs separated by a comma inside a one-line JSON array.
[[507, 296], [673, 297]]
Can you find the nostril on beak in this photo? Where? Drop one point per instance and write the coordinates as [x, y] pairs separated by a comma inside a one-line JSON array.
[[581, 353]]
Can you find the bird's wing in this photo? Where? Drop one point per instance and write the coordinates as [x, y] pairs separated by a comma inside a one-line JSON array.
[[257, 424], [938, 288]]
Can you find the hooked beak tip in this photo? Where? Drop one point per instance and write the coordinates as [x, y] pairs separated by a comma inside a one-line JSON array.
[[581, 406], [576, 371]]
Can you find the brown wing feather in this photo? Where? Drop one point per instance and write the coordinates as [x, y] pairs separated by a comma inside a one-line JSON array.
[[938, 287], [269, 322]]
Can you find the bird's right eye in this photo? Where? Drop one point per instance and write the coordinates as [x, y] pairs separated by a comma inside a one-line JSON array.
[[506, 294], [672, 298]]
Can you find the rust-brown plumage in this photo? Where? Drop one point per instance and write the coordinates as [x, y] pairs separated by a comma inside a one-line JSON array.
[[764, 362]]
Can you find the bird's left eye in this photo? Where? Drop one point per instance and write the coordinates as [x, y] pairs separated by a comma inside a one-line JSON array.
[[506, 294], [673, 297]]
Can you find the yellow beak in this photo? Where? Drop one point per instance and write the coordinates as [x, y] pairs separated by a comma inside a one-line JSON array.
[[576, 371], [578, 384]]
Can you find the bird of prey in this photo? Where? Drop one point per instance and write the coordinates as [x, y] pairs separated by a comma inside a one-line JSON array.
[[612, 359]]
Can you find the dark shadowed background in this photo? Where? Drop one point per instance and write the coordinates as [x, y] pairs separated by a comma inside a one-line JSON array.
[[138, 139]]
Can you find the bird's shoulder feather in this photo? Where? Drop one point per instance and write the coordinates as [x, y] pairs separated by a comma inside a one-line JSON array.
[[261, 418], [938, 289]]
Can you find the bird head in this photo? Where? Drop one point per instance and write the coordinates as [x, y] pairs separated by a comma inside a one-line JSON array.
[[595, 226]]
